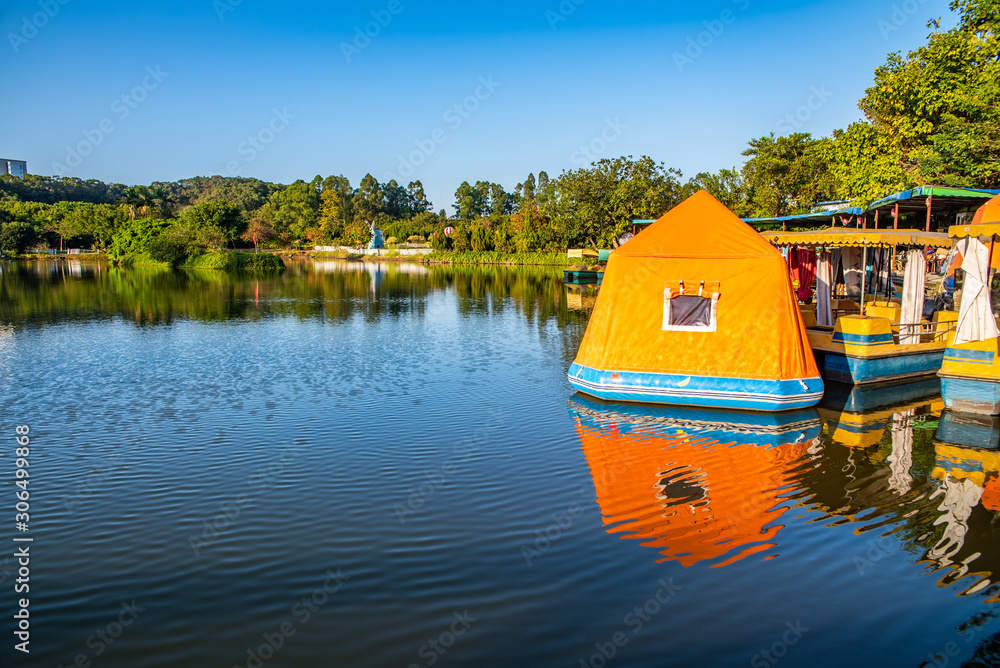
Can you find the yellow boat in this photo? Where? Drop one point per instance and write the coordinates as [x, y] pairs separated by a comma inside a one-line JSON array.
[[970, 372], [889, 341]]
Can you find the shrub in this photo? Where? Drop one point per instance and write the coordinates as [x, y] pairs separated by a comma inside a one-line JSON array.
[[236, 261], [17, 237]]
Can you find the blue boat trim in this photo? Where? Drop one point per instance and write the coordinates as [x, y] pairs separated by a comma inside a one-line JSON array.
[[686, 390], [862, 339], [969, 356]]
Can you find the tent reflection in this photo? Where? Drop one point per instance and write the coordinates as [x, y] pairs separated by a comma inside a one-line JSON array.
[[696, 485]]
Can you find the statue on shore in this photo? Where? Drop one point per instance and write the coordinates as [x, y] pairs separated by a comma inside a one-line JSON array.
[[377, 241]]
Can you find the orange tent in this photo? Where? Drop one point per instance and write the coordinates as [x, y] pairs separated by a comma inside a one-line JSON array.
[[698, 310], [692, 489]]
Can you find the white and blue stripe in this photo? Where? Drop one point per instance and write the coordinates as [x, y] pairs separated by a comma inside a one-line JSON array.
[[685, 390]]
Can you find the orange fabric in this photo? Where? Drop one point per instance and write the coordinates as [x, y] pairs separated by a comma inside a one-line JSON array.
[[991, 494], [987, 213], [760, 329], [690, 497]]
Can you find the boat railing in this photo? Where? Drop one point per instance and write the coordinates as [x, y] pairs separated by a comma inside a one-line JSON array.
[[928, 331]]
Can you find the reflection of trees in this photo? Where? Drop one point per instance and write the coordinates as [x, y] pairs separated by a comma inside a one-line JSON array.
[[55, 292]]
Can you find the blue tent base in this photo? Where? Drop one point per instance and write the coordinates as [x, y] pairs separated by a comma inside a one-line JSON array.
[[701, 391]]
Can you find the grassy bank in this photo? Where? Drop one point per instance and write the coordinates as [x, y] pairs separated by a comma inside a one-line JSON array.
[[235, 261], [494, 257]]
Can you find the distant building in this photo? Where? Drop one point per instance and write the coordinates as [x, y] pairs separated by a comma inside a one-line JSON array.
[[16, 168]]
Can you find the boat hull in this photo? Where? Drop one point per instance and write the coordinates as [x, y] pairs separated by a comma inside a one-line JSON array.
[[856, 370], [700, 391], [580, 277]]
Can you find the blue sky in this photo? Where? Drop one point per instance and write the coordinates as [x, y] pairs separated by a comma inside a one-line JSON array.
[[442, 92]]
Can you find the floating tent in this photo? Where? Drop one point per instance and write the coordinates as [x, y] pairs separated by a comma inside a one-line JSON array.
[[698, 310]]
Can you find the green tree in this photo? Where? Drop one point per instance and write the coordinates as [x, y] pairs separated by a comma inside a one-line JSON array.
[[368, 199], [787, 175], [258, 232], [599, 203], [932, 116], [727, 186], [16, 237], [224, 219], [471, 202]]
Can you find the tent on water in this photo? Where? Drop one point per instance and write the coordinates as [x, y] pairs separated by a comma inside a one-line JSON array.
[[698, 310]]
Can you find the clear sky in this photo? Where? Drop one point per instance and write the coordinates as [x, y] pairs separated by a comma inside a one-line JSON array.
[[443, 92]]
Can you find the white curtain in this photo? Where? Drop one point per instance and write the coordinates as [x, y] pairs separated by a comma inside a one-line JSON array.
[[975, 318], [913, 297], [824, 287], [851, 257]]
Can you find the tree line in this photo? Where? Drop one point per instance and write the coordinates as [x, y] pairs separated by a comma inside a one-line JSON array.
[[930, 117]]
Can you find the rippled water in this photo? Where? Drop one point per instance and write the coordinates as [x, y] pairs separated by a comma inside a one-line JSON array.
[[375, 465]]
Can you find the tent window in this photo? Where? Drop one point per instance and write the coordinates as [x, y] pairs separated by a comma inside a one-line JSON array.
[[691, 310]]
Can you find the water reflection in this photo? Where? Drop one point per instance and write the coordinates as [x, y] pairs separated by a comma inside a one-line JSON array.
[[919, 475], [38, 293], [696, 485], [711, 486]]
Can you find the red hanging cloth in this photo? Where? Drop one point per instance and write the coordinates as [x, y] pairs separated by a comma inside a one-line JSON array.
[[802, 263]]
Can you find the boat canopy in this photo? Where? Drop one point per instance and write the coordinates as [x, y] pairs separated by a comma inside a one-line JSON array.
[[840, 237], [985, 225], [913, 199], [986, 232]]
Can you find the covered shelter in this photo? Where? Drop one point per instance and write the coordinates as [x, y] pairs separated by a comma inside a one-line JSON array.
[[698, 310], [930, 207]]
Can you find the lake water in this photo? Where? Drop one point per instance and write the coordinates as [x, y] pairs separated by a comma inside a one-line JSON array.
[[355, 464]]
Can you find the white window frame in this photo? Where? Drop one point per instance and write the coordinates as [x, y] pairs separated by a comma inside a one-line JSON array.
[[668, 297]]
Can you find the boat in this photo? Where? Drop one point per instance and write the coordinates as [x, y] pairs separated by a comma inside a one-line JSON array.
[[888, 341], [970, 372], [579, 277], [698, 310]]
